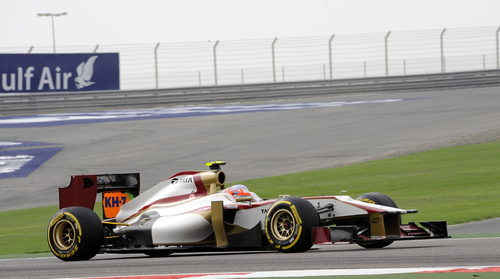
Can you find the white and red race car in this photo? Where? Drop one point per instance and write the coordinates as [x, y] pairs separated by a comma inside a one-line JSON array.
[[192, 210]]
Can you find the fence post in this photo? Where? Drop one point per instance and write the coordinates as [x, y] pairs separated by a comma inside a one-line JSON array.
[[387, 54], [498, 59], [215, 62], [443, 69], [274, 58], [330, 55], [156, 64], [96, 47]]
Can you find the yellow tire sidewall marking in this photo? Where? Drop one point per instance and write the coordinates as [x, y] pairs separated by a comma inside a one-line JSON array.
[[70, 217], [268, 219], [299, 228], [296, 215], [367, 200]]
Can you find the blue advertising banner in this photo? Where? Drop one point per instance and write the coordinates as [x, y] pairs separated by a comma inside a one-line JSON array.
[[59, 72]]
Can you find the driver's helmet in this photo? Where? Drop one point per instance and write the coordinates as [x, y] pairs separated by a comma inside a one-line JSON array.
[[238, 190]]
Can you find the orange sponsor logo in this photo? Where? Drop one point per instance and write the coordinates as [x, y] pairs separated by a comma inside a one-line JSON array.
[[112, 201]]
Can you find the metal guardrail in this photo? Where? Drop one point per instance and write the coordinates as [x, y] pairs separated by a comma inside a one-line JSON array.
[[54, 102]]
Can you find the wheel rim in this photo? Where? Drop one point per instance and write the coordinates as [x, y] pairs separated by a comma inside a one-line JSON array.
[[283, 224], [64, 234]]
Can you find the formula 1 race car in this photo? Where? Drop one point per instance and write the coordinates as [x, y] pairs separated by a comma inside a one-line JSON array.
[[192, 210]]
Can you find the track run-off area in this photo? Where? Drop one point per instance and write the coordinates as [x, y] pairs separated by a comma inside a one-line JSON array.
[[255, 143], [270, 138], [413, 255]]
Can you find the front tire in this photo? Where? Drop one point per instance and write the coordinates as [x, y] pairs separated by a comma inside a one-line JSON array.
[[75, 233], [380, 199], [377, 198], [288, 224]]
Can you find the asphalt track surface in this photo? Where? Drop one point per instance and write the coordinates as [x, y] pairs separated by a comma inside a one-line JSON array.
[[260, 144], [257, 144], [422, 253]]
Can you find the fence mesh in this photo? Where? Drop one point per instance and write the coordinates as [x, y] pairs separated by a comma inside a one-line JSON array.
[[336, 56]]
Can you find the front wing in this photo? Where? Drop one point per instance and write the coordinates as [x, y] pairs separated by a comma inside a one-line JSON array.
[[358, 234]]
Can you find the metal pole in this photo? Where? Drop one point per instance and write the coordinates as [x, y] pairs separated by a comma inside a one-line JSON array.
[[330, 55], [96, 47], [387, 54], [52, 15], [30, 50], [274, 58], [498, 59], [199, 78], [215, 61], [443, 69], [156, 64], [404, 66], [484, 61], [283, 73], [364, 68], [53, 35], [242, 76]]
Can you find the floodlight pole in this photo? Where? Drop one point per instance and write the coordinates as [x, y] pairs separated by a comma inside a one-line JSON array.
[[52, 15]]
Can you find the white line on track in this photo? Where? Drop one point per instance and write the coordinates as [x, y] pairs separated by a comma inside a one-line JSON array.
[[134, 114], [310, 273]]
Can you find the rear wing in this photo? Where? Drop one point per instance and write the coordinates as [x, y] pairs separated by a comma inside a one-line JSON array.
[[116, 189]]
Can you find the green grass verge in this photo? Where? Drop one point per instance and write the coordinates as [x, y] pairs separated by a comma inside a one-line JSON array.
[[458, 184], [24, 232]]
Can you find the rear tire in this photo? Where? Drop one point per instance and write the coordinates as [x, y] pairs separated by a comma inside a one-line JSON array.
[[75, 233], [380, 199], [288, 224]]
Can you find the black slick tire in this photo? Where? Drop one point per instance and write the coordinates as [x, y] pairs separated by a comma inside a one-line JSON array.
[[377, 198], [75, 233], [289, 223], [380, 199]]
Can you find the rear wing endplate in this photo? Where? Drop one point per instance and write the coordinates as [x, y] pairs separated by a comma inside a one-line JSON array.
[[116, 189]]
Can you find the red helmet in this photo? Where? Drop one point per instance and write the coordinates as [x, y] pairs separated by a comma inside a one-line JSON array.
[[238, 190]]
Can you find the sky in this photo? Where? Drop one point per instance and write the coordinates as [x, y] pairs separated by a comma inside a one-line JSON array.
[[93, 22]]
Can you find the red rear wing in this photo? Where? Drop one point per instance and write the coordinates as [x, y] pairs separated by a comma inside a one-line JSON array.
[[116, 189]]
